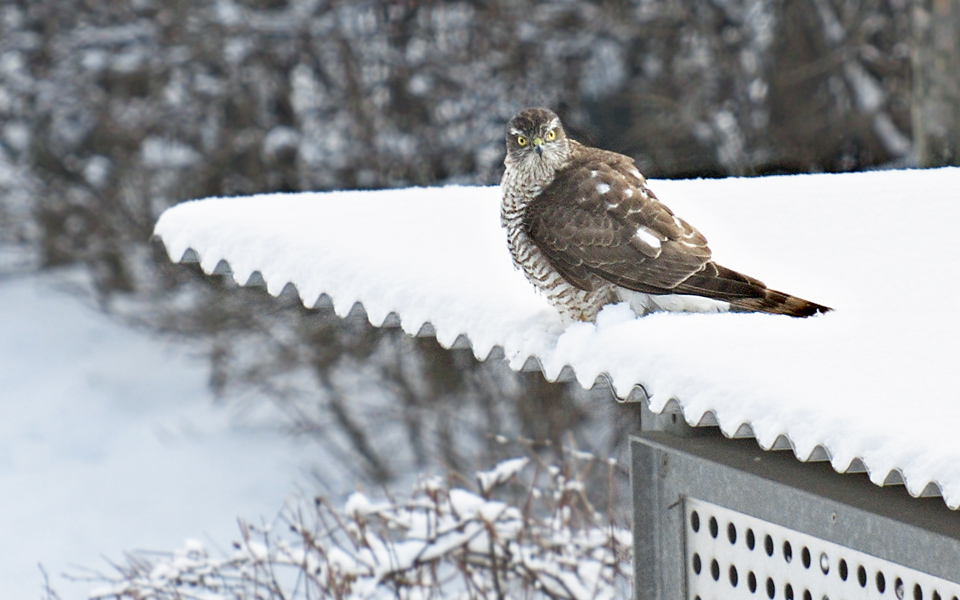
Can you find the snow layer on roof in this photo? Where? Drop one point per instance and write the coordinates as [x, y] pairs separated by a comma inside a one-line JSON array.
[[872, 386]]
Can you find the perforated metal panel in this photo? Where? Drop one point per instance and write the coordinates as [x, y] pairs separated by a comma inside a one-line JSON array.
[[731, 556], [845, 537]]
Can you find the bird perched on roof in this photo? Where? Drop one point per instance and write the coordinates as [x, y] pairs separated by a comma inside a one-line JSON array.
[[586, 230]]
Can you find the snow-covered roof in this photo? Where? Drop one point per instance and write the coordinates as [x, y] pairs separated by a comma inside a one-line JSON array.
[[872, 386]]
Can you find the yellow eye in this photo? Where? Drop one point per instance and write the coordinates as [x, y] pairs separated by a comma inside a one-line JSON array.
[[551, 135], [521, 141]]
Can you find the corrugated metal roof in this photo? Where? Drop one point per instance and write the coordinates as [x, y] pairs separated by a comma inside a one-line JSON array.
[[871, 388]]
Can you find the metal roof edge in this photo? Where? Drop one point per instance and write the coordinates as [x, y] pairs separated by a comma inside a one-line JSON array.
[[818, 453]]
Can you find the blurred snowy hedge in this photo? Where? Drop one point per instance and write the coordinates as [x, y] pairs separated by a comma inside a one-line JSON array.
[[545, 540]]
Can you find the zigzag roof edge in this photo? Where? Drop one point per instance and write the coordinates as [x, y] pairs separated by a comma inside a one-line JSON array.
[[731, 428]]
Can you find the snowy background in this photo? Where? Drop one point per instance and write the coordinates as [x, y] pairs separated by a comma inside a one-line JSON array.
[[110, 441], [112, 112]]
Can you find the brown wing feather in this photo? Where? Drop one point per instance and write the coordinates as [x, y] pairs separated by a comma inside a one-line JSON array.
[[598, 219], [587, 221]]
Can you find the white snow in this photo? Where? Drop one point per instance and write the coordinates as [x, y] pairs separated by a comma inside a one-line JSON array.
[[466, 504], [358, 505], [159, 152], [434, 543], [17, 135], [110, 441], [280, 138], [501, 473], [875, 380]]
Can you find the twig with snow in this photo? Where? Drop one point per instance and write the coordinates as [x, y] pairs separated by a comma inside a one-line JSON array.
[[441, 541]]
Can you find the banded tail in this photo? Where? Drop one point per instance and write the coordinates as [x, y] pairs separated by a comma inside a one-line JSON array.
[[746, 294]]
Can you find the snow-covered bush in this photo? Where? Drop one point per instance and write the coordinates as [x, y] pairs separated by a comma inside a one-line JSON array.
[[528, 531]]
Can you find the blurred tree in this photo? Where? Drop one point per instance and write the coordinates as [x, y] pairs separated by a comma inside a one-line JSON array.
[[839, 95], [112, 111], [936, 82]]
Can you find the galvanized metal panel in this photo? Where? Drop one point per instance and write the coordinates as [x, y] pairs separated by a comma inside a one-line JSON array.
[[885, 530], [733, 556]]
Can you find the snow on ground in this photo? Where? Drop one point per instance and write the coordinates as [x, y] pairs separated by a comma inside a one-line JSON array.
[[110, 441], [875, 380]]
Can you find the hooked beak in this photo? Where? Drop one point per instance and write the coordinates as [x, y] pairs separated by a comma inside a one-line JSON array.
[[538, 145]]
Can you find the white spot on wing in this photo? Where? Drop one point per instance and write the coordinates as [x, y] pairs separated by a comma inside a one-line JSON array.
[[628, 193], [603, 188], [593, 173], [647, 238]]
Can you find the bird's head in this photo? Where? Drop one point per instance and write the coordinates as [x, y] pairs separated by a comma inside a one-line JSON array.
[[535, 138]]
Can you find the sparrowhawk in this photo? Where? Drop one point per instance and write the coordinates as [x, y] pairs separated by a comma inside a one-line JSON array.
[[586, 230]]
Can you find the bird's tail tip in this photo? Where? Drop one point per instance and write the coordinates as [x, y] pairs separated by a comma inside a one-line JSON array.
[[778, 303]]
